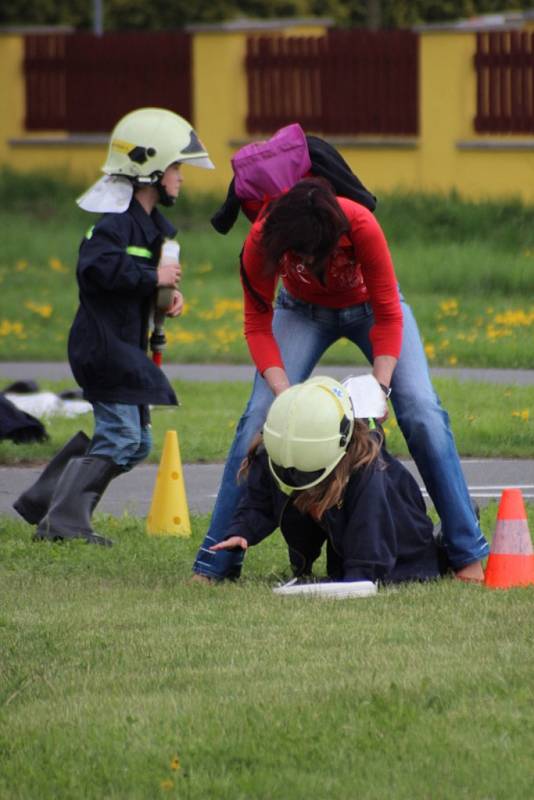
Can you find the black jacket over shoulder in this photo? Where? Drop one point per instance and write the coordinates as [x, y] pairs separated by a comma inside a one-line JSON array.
[[381, 531], [109, 336]]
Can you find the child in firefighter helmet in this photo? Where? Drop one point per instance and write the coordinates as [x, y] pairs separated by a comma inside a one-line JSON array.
[[323, 475], [119, 270]]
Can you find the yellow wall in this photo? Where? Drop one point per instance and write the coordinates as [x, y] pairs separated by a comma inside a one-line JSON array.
[[11, 91], [432, 162], [220, 102]]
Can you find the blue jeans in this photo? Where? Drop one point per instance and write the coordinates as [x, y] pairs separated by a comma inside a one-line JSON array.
[[303, 332], [119, 434]]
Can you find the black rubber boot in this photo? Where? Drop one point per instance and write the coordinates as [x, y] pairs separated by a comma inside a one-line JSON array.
[[82, 484], [33, 504]]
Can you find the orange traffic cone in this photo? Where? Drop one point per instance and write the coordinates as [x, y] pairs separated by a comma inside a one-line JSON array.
[[511, 560]]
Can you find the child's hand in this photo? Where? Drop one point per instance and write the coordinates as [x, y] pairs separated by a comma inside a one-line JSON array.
[[231, 544], [169, 273], [177, 305]]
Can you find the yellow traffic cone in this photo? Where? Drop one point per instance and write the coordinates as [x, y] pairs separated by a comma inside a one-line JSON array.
[[169, 514]]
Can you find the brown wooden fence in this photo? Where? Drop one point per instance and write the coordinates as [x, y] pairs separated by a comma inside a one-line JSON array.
[[504, 64], [347, 82], [84, 83]]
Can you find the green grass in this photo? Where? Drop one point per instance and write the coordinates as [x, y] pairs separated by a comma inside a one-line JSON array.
[[466, 268], [487, 420], [118, 679]]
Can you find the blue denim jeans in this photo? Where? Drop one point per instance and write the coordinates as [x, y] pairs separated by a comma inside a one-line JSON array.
[[303, 333], [119, 434]]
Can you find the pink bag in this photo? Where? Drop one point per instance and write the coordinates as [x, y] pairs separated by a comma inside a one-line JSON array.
[[265, 169]]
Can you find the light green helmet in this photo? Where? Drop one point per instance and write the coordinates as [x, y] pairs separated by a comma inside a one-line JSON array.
[[307, 432], [148, 140]]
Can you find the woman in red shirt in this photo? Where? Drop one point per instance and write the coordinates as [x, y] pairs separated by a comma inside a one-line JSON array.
[[338, 281]]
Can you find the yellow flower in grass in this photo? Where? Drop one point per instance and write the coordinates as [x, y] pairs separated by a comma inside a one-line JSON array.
[[452, 361], [203, 268], [175, 764], [493, 333], [167, 784], [515, 318], [15, 329], [183, 337], [21, 265], [56, 265], [226, 335], [523, 414], [430, 350], [44, 311], [449, 308], [223, 307]]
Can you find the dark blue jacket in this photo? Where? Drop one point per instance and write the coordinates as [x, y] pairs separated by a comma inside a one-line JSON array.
[[380, 531], [109, 336]]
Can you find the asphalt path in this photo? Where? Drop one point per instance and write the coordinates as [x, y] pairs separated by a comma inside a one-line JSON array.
[[132, 492], [56, 370]]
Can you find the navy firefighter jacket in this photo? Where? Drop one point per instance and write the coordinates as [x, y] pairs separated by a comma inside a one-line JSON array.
[[380, 530], [117, 279]]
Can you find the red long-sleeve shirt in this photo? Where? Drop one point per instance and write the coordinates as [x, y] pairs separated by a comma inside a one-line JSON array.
[[359, 271]]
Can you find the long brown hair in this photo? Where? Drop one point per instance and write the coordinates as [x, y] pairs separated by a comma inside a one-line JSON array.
[[363, 449], [307, 220]]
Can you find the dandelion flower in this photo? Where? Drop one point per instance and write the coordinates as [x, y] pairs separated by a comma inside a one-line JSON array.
[[56, 265], [44, 311]]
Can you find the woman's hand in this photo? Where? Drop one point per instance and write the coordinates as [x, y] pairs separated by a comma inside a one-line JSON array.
[[383, 367], [231, 544], [177, 305]]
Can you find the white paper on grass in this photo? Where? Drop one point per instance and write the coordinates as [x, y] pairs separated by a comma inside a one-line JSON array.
[[337, 590], [368, 399], [110, 194], [48, 404]]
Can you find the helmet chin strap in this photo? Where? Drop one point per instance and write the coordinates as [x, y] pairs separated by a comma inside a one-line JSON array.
[[155, 180], [164, 197]]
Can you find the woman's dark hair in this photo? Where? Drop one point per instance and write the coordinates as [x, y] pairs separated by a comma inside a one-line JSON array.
[[308, 220]]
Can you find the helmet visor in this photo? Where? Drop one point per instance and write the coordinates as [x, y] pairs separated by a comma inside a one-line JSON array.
[[198, 161], [295, 479]]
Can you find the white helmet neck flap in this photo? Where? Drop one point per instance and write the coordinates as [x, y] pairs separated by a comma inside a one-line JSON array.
[[142, 145]]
